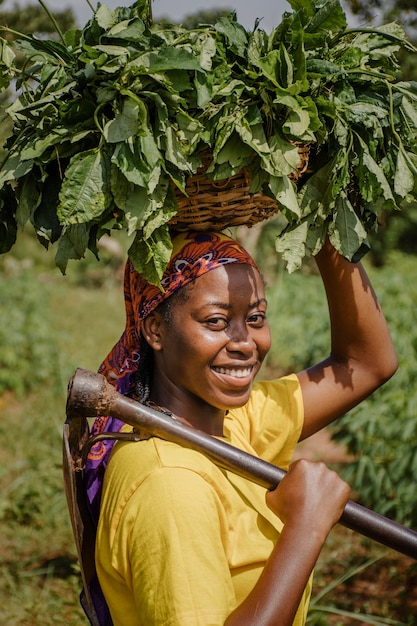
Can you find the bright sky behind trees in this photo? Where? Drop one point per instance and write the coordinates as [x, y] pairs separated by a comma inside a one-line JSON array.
[[270, 11]]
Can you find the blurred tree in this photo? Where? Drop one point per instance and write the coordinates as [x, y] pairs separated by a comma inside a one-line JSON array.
[[402, 11], [204, 17], [33, 18], [200, 17]]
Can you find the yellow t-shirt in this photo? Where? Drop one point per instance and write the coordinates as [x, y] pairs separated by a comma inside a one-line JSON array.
[[181, 542]]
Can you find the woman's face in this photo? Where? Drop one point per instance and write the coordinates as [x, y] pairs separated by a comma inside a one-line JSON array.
[[209, 351]]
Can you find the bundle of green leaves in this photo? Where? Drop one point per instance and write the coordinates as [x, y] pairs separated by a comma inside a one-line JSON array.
[[109, 119]]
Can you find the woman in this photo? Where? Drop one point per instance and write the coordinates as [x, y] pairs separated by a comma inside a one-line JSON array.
[[181, 542]]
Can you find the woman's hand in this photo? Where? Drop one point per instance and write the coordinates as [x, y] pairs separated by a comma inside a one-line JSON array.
[[311, 496]]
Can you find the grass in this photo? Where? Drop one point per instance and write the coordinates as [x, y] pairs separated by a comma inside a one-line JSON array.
[[83, 315], [39, 572]]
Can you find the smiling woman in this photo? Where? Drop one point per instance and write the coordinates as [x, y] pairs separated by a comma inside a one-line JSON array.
[[223, 315], [179, 540]]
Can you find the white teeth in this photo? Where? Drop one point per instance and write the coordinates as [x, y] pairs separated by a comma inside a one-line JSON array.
[[234, 372]]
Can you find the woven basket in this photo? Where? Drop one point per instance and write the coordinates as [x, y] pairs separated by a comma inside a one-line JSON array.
[[215, 205]]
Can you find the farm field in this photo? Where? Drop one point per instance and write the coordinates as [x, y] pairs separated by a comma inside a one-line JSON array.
[[58, 323]]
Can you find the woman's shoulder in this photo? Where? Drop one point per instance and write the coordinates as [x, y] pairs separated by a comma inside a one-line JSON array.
[[276, 389], [132, 463], [276, 399], [271, 421], [140, 472]]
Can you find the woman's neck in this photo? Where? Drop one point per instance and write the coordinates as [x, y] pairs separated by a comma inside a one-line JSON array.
[[192, 411]]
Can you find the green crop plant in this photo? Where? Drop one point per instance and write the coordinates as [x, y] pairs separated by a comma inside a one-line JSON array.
[[28, 351]]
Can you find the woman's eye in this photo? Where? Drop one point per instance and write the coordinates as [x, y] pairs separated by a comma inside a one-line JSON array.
[[257, 319], [218, 323]]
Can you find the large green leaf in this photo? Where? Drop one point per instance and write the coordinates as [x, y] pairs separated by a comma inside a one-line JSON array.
[[318, 190], [167, 59], [346, 231], [28, 197], [39, 146], [292, 246], [13, 168], [235, 34], [85, 193], [130, 122], [133, 200], [405, 175], [329, 17], [151, 255], [131, 30], [284, 192], [134, 164], [72, 245], [284, 156], [7, 63], [371, 177], [41, 48]]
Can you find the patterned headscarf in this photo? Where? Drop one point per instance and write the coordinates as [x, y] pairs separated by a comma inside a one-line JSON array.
[[194, 254]]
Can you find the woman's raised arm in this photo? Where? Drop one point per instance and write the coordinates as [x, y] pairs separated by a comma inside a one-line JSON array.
[[362, 355]]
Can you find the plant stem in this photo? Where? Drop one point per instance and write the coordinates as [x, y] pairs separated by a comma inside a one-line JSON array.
[[53, 20], [373, 31]]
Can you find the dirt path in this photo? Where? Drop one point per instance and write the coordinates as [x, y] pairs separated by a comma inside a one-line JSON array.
[[320, 447]]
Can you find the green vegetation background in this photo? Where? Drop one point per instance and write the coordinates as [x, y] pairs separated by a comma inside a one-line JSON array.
[[50, 324]]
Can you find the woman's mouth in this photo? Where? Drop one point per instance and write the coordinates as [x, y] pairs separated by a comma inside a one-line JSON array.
[[234, 372]]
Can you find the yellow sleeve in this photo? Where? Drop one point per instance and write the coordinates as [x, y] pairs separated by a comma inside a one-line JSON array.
[[171, 550]]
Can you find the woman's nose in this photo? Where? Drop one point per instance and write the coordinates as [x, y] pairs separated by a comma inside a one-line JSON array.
[[240, 338]]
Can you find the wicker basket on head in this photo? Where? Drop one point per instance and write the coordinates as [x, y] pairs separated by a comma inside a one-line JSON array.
[[218, 204]]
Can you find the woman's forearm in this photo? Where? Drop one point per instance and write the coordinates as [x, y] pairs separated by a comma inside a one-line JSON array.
[[362, 356], [309, 500], [279, 590], [358, 326]]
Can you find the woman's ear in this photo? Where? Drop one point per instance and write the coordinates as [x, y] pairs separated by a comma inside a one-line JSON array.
[[152, 330]]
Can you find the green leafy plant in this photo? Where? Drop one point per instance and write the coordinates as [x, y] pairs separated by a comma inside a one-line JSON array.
[[113, 117], [317, 610], [28, 355]]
